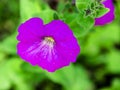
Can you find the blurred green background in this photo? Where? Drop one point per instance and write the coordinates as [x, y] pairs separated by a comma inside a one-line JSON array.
[[97, 67]]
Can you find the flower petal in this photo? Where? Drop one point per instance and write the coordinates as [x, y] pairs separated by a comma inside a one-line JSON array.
[[31, 30], [50, 55], [64, 38], [27, 52], [109, 17], [58, 30], [53, 61], [69, 49]]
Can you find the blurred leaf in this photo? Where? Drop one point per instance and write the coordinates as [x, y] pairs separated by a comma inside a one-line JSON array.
[[82, 4], [2, 55], [105, 36], [28, 8], [113, 61], [47, 15], [9, 44], [79, 24], [100, 43], [55, 16], [29, 68], [62, 77], [86, 23], [82, 80], [102, 11], [72, 78], [10, 74], [116, 84], [71, 20], [61, 6], [35, 8], [5, 83], [14, 7]]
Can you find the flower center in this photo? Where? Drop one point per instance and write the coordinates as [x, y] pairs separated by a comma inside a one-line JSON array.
[[49, 39], [45, 48]]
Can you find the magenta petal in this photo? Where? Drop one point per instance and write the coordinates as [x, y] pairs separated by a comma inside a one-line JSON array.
[[58, 30], [50, 46], [53, 61], [109, 17], [25, 49], [31, 30], [64, 38]]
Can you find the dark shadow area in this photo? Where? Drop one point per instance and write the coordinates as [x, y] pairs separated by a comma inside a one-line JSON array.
[[48, 85]]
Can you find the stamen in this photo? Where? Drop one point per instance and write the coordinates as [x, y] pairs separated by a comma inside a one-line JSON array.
[[49, 39], [46, 47]]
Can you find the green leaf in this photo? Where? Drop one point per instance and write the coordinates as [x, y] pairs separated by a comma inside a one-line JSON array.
[[104, 37], [10, 74], [4, 82], [79, 24], [102, 11], [71, 20], [113, 62], [85, 23], [9, 44], [61, 6], [35, 8], [29, 68], [82, 4], [29, 8], [56, 16], [116, 84], [2, 56], [72, 78], [47, 15]]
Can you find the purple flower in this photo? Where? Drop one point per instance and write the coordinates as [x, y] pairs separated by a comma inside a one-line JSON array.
[[51, 46], [109, 17]]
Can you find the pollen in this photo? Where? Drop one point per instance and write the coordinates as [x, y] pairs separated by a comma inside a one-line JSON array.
[[49, 39]]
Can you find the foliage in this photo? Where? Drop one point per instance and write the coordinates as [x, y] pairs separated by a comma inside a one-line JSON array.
[[97, 67]]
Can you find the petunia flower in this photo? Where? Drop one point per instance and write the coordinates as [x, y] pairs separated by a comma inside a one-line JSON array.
[[50, 46], [109, 17]]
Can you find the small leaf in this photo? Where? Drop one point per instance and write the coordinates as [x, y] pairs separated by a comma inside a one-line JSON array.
[[4, 82], [9, 44], [29, 68], [85, 23], [113, 62], [2, 56], [56, 16], [10, 74], [102, 11], [72, 78], [28, 9], [35, 8], [116, 84], [47, 15], [82, 4]]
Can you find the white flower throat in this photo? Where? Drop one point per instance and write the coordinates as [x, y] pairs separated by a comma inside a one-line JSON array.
[[49, 40], [45, 47]]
